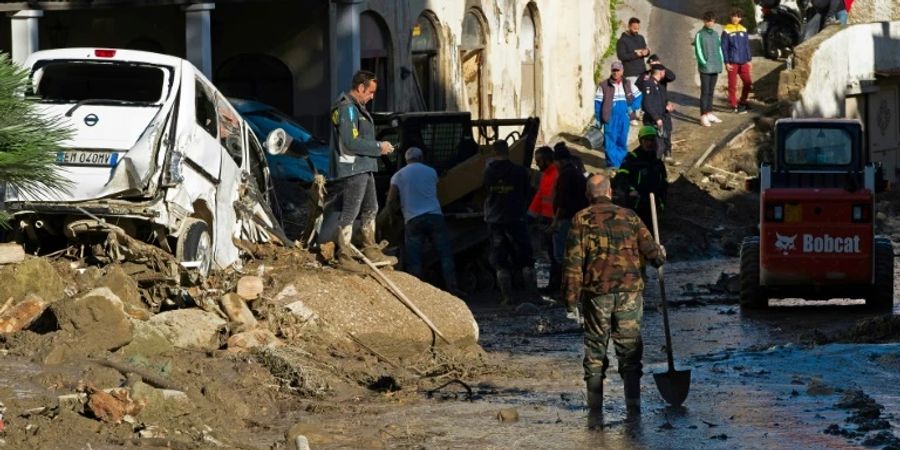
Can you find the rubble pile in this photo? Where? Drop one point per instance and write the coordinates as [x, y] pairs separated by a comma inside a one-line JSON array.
[[107, 358]]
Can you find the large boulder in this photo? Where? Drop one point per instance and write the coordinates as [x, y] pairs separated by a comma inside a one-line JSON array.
[[192, 329], [147, 341], [35, 276], [121, 284], [94, 322]]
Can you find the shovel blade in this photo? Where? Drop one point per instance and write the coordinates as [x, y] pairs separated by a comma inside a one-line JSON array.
[[673, 385]]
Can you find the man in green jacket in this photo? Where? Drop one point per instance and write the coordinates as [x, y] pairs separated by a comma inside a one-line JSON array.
[[710, 61], [355, 154]]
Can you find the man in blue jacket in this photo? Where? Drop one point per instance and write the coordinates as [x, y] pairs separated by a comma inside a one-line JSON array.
[[354, 159], [736, 51], [614, 101]]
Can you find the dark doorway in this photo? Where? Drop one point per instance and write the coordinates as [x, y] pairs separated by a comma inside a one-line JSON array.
[[255, 76]]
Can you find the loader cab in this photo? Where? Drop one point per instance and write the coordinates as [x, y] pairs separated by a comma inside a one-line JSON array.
[[816, 220]]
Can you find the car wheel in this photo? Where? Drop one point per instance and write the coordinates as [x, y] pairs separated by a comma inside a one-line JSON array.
[[882, 295], [751, 293], [195, 245]]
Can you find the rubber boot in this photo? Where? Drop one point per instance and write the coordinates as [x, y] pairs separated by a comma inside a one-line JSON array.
[[344, 254], [504, 280], [595, 402], [370, 246], [632, 383]]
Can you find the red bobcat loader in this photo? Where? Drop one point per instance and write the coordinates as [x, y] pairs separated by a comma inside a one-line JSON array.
[[816, 230]]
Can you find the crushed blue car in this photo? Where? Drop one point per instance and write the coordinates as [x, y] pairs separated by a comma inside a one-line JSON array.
[[307, 155]]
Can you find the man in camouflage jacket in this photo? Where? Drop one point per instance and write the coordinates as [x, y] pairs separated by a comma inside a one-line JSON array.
[[602, 271]]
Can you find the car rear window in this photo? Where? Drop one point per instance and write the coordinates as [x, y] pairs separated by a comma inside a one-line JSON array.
[[69, 82], [818, 147]]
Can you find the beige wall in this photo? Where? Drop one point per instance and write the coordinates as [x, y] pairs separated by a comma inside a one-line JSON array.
[[865, 11], [572, 34]]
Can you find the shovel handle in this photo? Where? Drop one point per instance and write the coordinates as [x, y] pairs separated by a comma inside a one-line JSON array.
[[662, 288]]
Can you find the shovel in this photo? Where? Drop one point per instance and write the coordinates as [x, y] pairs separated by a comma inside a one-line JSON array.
[[674, 384]]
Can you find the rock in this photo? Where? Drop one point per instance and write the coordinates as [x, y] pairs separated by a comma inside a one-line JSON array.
[[249, 340], [236, 309], [72, 402], [193, 329], [160, 404], [34, 275], [302, 312], [147, 341], [11, 253], [21, 315], [250, 287], [818, 387], [121, 284], [112, 406], [508, 415], [95, 322]]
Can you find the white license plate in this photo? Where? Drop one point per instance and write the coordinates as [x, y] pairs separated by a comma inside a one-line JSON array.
[[87, 158]]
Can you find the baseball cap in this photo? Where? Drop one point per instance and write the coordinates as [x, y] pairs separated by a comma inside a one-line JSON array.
[[647, 130], [617, 65], [657, 67]]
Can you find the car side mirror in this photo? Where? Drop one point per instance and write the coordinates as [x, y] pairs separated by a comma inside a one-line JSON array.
[[278, 142]]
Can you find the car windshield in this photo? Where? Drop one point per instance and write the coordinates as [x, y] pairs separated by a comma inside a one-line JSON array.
[[118, 83], [270, 119], [818, 147]]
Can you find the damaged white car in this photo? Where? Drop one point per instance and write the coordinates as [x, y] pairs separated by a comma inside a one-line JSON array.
[[157, 154]]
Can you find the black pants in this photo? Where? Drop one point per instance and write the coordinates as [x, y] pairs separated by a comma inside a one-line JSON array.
[[707, 89], [510, 246], [357, 199], [664, 139]]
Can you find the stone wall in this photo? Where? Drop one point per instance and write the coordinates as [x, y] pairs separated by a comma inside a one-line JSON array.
[[865, 11]]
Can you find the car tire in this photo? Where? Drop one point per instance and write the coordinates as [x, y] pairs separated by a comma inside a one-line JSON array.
[[195, 244], [882, 295], [752, 295]]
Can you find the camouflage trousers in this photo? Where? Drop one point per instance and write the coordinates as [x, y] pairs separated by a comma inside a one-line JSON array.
[[616, 315]]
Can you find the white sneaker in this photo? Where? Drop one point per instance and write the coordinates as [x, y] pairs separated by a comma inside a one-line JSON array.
[[712, 118], [704, 121]]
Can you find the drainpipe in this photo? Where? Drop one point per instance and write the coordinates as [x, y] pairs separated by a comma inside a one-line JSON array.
[[345, 45], [198, 38], [25, 34]]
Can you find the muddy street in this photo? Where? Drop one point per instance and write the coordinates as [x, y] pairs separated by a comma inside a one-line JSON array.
[[759, 380]]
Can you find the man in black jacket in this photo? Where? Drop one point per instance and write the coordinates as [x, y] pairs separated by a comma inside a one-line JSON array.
[[640, 174], [632, 49], [508, 190], [656, 109], [569, 198]]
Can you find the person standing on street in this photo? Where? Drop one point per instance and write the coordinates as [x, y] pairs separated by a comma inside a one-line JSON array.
[[355, 154], [569, 198], [642, 173], [656, 111], [541, 209], [631, 49], [615, 97], [606, 248], [710, 62], [736, 52], [415, 186], [507, 187]]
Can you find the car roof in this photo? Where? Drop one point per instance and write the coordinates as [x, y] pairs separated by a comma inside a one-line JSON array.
[[90, 53]]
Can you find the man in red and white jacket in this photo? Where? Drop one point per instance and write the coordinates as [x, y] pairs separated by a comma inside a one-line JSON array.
[[541, 209]]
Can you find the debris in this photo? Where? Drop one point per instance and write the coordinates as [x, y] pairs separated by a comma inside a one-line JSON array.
[[11, 254], [160, 404], [720, 437], [237, 311], [818, 387], [21, 315], [250, 287], [35, 276], [884, 438], [147, 341], [72, 402], [248, 340], [126, 288], [385, 383], [91, 323], [147, 377], [192, 329], [469, 396], [112, 406], [508, 415], [301, 443]]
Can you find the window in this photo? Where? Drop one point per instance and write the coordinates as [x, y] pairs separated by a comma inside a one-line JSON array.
[[375, 51], [205, 109], [818, 147], [257, 164], [425, 47], [230, 131], [70, 82], [472, 58]]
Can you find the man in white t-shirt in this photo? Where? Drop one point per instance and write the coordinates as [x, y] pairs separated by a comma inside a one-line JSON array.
[[415, 185]]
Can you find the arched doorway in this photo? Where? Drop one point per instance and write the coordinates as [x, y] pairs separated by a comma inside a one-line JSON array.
[[528, 46], [472, 58], [375, 56], [426, 62], [255, 76]]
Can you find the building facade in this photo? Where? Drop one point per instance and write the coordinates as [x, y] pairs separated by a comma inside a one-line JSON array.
[[495, 58]]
